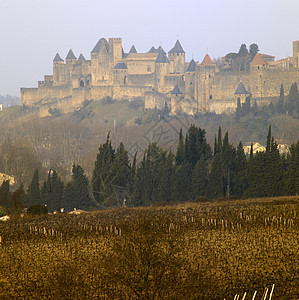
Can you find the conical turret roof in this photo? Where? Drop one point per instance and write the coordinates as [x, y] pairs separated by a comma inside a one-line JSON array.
[[153, 50], [177, 48], [162, 58], [258, 61], [191, 67], [176, 91], [97, 47], [71, 55], [207, 60], [241, 89], [81, 57], [57, 58], [133, 49]]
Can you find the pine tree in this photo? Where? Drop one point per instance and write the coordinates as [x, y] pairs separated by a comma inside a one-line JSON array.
[[76, 194], [182, 183], [293, 100], [33, 191], [253, 50]]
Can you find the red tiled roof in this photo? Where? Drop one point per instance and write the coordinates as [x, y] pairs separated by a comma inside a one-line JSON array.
[[207, 60], [258, 60]]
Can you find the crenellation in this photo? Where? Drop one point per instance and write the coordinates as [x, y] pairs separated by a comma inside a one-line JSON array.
[[154, 75]]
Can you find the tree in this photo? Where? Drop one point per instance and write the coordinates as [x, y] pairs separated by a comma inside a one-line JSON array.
[[215, 185], [291, 176], [293, 100], [239, 180], [5, 194], [52, 191], [243, 50], [239, 109], [180, 153], [102, 171], [76, 194], [280, 105], [17, 203], [199, 179], [33, 191], [253, 50]]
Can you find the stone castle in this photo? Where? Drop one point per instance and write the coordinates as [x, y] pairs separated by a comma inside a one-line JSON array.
[[158, 78]]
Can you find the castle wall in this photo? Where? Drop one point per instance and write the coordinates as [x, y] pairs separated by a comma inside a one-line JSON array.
[[141, 79], [153, 100], [129, 92]]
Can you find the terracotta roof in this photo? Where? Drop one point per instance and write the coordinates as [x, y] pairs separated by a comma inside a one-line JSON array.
[[57, 58], [258, 61], [177, 48], [120, 66], [241, 89], [191, 67], [133, 49], [266, 55], [71, 55], [207, 60], [81, 57], [176, 90]]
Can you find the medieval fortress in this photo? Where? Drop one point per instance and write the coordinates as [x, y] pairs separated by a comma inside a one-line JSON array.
[[158, 78]]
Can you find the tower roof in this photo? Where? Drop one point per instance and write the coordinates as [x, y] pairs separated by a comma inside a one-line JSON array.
[[241, 89], [191, 67], [207, 60], [258, 60], [120, 66], [162, 58], [57, 58], [81, 57], [153, 50], [176, 91], [97, 47], [133, 49], [177, 48], [71, 55]]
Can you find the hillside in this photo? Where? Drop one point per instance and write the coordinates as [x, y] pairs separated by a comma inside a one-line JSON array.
[[214, 250]]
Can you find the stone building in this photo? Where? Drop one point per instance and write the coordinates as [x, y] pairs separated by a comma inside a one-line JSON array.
[[154, 76]]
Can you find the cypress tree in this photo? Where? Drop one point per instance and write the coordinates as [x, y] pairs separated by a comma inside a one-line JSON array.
[[180, 153], [199, 179], [76, 194], [280, 105], [102, 174], [52, 191], [33, 192], [215, 186], [4, 194], [240, 182]]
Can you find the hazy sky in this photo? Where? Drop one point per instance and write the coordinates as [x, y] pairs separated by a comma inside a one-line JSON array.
[[32, 31]]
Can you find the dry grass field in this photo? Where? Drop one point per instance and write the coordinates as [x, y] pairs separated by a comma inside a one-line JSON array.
[[183, 251]]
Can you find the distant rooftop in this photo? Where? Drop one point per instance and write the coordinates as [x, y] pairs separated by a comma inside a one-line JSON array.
[[57, 58], [191, 67], [177, 48], [71, 55], [120, 66]]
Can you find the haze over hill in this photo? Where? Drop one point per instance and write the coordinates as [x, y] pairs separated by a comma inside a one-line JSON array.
[[33, 31]]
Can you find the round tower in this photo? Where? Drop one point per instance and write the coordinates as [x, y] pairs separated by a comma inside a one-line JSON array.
[[58, 70], [177, 58], [161, 70]]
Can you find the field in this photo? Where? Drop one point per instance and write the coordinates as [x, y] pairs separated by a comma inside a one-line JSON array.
[[183, 251]]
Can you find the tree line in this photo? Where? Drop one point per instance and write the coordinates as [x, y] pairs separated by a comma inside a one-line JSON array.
[[195, 172]]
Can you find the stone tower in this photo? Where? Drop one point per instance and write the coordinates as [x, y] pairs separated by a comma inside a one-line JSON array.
[[70, 60], [296, 53], [161, 70], [241, 93], [190, 80], [115, 50], [176, 96], [177, 58], [204, 76], [58, 71]]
